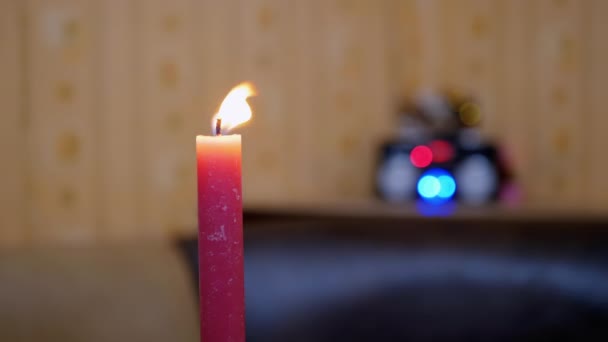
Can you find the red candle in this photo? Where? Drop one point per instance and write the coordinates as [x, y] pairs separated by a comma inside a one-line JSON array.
[[220, 214]]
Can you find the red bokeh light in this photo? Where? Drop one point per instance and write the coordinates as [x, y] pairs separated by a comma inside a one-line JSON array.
[[442, 151], [421, 156]]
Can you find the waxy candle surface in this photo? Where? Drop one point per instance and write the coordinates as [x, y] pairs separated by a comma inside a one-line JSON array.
[[221, 286]]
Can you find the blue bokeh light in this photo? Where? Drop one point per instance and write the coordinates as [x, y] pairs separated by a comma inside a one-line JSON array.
[[428, 186], [448, 186], [436, 185]]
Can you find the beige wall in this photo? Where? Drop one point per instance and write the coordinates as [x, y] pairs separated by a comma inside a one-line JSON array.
[[537, 66], [101, 100]]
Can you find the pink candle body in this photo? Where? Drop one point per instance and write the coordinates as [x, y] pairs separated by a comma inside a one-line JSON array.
[[220, 238]]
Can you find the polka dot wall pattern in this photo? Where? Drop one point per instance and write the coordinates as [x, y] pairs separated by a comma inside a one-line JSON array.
[[559, 96], [479, 27], [58, 81], [561, 141], [68, 147], [170, 23], [261, 36], [168, 199], [562, 101], [169, 74], [323, 57], [64, 92], [266, 18], [13, 130], [568, 51], [72, 31], [67, 198], [73, 39], [349, 62], [174, 122]]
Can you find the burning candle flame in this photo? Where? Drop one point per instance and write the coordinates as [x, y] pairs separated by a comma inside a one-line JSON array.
[[234, 110]]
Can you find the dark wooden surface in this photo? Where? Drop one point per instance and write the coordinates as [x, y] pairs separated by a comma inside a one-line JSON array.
[[491, 229]]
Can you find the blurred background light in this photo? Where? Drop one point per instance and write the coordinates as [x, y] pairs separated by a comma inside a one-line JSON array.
[[421, 156], [477, 179], [470, 114], [447, 186], [442, 151], [436, 185], [428, 187]]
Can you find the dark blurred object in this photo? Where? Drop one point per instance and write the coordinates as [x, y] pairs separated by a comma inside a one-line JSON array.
[[464, 310], [439, 154], [336, 278]]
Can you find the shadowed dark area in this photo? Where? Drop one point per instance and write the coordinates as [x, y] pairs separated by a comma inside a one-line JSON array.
[[334, 278]]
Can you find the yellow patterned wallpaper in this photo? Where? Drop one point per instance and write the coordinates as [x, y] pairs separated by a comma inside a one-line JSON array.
[[535, 66], [101, 100]]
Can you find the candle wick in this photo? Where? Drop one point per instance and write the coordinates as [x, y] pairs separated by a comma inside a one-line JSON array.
[[218, 127]]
